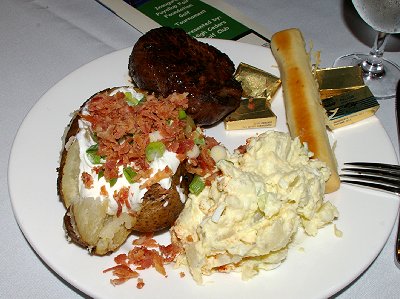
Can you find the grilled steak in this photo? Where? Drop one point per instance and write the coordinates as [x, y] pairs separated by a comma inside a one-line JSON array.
[[167, 60]]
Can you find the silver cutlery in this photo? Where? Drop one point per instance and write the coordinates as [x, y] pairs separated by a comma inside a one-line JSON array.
[[379, 176], [374, 175]]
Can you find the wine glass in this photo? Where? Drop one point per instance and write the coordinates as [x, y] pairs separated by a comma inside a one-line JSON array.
[[380, 74]]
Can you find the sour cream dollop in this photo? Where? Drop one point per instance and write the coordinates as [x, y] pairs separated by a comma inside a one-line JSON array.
[[85, 140]]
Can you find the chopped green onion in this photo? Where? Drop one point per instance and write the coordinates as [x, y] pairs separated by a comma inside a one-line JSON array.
[[190, 122], [132, 101], [196, 185], [91, 152], [181, 114], [100, 175], [199, 141], [129, 174], [190, 125], [113, 181], [154, 150], [94, 136]]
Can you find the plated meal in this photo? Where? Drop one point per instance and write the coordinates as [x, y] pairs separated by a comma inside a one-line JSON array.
[[136, 159], [142, 185]]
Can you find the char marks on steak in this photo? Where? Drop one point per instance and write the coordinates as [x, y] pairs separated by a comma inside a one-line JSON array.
[[167, 60]]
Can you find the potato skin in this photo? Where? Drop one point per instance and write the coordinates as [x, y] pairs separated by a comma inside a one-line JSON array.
[[160, 208], [72, 130], [71, 230], [87, 224]]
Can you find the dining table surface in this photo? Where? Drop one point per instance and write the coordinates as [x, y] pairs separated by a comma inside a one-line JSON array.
[[42, 41]]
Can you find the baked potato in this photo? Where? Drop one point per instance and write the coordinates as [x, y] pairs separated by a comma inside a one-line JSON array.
[[109, 179]]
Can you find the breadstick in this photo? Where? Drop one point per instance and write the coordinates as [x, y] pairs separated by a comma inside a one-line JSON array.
[[304, 112]]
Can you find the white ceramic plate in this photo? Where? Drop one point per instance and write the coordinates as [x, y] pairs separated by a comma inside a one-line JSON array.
[[316, 268]]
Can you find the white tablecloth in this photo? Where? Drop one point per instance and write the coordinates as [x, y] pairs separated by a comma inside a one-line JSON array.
[[41, 41]]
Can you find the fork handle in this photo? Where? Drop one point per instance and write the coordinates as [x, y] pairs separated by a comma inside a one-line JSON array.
[[397, 107], [397, 249]]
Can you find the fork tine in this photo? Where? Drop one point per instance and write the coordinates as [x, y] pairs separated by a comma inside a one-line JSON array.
[[389, 167], [395, 190], [374, 175], [375, 172], [394, 181]]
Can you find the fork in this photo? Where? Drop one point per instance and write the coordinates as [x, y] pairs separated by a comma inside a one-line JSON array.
[[377, 176], [380, 176]]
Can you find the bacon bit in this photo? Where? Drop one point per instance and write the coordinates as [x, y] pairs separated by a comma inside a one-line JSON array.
[[182, 274], [140, 284], [103, 190], [110, 170], [169, 252], [122, 198], [205, 160], [224, 268], [212, 177], [185, 146], [87, 180], [193, 162], [166, 173], [137, 256], [143, 258], [142, 239], [123, 132], [189, 238], [113, 121], [143, 174], [121, 259], [146, 240], [158, 264], [242, 149], [127, 202], [210, 142], [119, 208], [123, 272], [172, 146], [203, 164], [181, 157], [97, 169]]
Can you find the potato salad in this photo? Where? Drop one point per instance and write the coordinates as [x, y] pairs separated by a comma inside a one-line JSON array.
[[245, 220]]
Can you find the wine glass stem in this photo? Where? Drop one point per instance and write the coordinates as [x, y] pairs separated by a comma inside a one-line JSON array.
[[373, 64]]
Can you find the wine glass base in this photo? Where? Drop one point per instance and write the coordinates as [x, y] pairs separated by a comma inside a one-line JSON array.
[[382, 87]]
